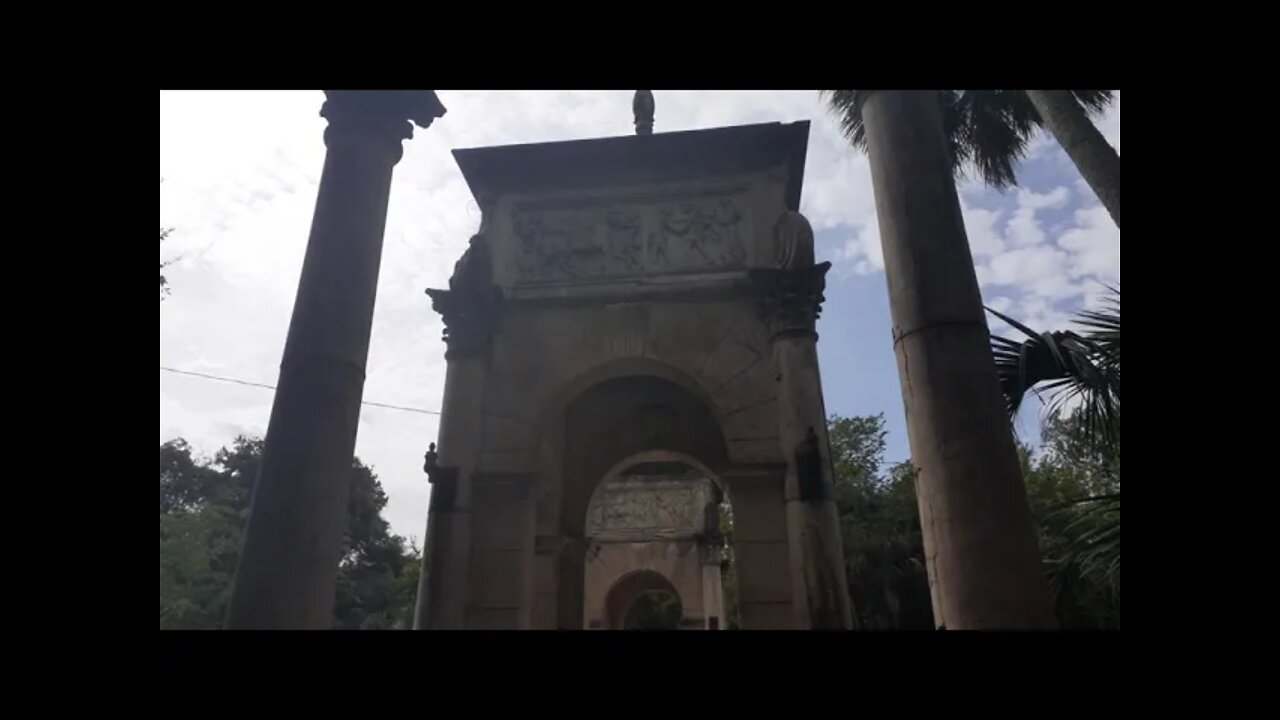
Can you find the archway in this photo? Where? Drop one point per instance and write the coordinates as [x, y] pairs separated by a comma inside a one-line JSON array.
[[643, 600], [660, 512], [607, 427], [617, 300]]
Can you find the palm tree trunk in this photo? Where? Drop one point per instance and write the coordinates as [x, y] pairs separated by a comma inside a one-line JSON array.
[[980, 544], [1094, 157]]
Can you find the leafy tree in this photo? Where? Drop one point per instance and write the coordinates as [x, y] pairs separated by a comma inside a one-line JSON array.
[[884, 548], [989, 130], [880, 529], [204, 507], [1073, 485]]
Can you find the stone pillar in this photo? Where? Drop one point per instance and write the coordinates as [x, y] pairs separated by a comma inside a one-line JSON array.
[[289, 564], [712, 588], [980, 545], [469, 309], [791, 297]]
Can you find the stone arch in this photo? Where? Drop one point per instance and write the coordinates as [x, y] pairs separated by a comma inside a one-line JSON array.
[[621, 418], [635, 304], [606, 425], [573, 389], [665, 456], [627, 589], [658, 511]]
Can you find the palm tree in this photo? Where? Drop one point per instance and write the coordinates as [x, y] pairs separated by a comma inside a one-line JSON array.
[[1082, 367], [984, 563], [990, 129], [1065, 114]]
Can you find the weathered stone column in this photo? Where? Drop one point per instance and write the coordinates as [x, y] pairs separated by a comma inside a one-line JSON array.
[[791, 297], [469, 309], [713, 587], [289, 565], [980, 545]]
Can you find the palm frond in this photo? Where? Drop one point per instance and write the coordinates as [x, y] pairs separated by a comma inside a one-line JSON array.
[[847, 106], [1094, 102], [999, 123], [986, 129], [1074, 367]]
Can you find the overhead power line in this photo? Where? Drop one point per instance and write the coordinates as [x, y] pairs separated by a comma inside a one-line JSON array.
[[273, 387]]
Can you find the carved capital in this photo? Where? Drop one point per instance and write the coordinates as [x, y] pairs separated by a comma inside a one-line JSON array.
[[791, 300], [470, 317], [385, 115]]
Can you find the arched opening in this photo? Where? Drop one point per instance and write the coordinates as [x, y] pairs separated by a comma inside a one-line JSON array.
[[665, 513], [644, 600], [662, 447], [654, 610]]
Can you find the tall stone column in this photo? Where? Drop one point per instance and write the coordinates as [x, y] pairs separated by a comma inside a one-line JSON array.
[[791, 297], [980, 545], [289, 565], [469, 309]]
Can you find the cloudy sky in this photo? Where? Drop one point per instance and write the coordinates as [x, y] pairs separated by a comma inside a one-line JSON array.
[[240, 172]]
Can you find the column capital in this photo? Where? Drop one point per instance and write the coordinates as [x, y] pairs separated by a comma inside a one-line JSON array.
[[470, 317], [387, 115], [470, 305], [791, 299]]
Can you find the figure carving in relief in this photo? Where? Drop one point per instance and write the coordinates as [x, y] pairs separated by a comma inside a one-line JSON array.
[[564, 245], [624, 245], [694, 236], [717, 226]]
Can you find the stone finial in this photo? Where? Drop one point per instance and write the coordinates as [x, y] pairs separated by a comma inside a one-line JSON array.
[[793, 241], [642, 105]]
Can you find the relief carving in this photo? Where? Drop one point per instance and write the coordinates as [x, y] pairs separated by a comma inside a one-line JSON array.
[[628, 240], [557, 245], [647, 509], [697, 236]]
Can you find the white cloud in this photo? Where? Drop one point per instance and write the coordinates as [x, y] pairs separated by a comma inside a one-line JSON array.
[[980, 226], [1094, 242], [1024, 226]]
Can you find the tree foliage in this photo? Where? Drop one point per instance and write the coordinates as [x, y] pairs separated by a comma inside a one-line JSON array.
[[1073, 486], [204, 507], [884, 546], [880, 529]]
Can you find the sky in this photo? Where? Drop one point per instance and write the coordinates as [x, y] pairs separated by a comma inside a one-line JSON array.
[[239, 173]]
